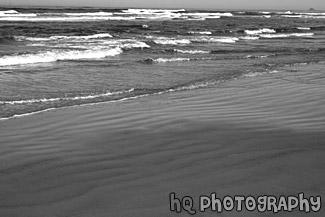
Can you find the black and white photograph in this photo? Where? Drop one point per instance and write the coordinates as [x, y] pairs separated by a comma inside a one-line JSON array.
[[171, 108]]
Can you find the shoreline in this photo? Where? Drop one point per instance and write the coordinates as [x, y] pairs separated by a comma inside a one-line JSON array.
[[254, 136]]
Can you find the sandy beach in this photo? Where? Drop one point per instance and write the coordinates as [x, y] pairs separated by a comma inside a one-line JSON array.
[[259, 135]]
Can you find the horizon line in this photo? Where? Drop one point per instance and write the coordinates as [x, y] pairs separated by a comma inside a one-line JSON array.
[[121, 7]]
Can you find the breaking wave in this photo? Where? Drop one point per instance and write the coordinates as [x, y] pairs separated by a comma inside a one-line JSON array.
[[207, 39], [56, 55], [128, 14], [191, 51], [164, 60], [201, 33], [13, 13], [64, 37], [286, 35], [171, 41], [259, 31]]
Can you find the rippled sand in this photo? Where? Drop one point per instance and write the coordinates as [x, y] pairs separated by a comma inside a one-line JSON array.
[[253, 136]]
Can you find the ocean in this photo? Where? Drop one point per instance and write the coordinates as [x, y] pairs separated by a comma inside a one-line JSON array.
[[52, 58]]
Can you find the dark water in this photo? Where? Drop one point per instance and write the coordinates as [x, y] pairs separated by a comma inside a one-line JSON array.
[[58, 57]]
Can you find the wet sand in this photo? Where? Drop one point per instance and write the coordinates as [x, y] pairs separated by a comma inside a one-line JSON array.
[[253, 136]]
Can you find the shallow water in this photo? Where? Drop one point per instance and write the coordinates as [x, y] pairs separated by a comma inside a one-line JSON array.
[[58, 57]]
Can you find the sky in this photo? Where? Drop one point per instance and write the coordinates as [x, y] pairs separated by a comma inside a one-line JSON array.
[[204, 4]]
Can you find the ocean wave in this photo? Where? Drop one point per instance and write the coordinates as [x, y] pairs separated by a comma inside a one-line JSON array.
[[171, 41], [185, 16], [9, 12], [13, 13], [314, 14], [209, 15], [254, 74], [134, 44], [191, 51], [304, 16], [249, 37], [207, 39], [63, 37], [56, 55], [259, 31], [201, 33], [304, 28], [89, 45], [128, 14], [123, 43], [44, 100], [286, 35], [152, 11], [135, 94], [100, 13], [178, 59], [260, 56], [26, 114], [164, 60], [59, 19]]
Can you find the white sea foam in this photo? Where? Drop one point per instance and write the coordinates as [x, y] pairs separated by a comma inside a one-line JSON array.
[[314, 14], [192, 51], [63, 19], [100, 35], [205, 15], [125, 43], [94, 96], [294, 16], [171, 41], [26, 114], [308, 16], [9, 12], [170, 14], [63, 37], [151, 11], [303, 28], [13, 13], [188, 87], [91, 42], [286, 35], [249, 37], [201, 33], [134, 44], [259, 31], [254, 74], [100, 13], [215, 39], [304, 15], [164, 60], [55, 55], [129, 14], [257, 56], [196, 86]]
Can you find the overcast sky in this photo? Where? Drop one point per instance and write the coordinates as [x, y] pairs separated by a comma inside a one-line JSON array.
[[211, 4]]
